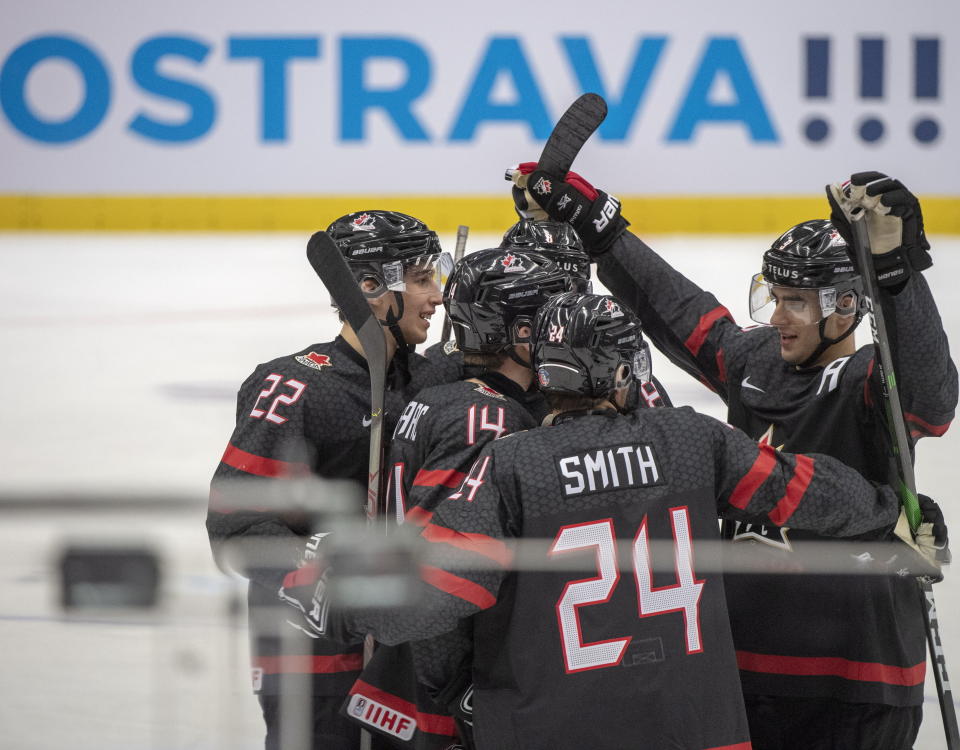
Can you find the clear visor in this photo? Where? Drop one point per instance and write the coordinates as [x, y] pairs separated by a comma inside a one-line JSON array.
[[425, 274], [771, 304]]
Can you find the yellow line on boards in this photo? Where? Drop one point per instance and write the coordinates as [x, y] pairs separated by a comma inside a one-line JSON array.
[[482, 213]]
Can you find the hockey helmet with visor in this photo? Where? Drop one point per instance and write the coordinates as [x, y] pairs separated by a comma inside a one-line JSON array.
[[807, 274]]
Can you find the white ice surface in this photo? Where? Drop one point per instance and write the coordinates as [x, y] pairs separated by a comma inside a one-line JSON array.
[[123, 355]]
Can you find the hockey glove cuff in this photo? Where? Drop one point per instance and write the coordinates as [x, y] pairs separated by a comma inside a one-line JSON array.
[[893, 219], [305, 589], [594, 214]]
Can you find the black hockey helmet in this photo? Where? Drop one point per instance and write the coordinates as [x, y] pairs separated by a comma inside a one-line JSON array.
[[382, 245], [581, 340], [555, 239], [491, 293], [811, 255]]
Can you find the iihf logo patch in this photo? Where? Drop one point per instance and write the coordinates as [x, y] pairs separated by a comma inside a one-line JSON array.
[[359, 706], [543, 186], [363, 223], [543, 376], [511, 263], [450, 347], [314, 360]]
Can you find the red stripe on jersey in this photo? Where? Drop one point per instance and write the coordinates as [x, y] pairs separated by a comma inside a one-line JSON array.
[[699, 335], [796, 487], [432, 723], [750, 483], [439, 477], [262, 467], [418, 516], [721, 367], [482, 544], [935, 430], [302, 576], [738, 746], [832, 666], [309, 664], [457, 586]]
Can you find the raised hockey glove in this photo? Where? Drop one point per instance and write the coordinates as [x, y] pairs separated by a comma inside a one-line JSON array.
[[893, 219], [305, 589], [594, 214], [930, 540]]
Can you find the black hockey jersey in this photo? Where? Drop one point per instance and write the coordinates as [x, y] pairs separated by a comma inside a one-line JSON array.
[[436, 441], [593, 647], [302, 415], [854, 638]]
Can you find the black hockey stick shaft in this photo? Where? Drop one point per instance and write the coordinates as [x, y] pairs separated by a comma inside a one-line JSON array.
[[458, 250], [904, 471], [330, 266], [572, 130]]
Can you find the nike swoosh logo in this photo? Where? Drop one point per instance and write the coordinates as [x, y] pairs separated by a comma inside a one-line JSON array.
[[745, 384], [367, 421]]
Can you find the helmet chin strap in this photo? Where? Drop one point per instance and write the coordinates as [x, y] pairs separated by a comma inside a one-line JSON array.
[[401, 358], [826, 343]]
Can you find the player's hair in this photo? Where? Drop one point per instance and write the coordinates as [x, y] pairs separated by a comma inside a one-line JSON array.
[[486, 360]]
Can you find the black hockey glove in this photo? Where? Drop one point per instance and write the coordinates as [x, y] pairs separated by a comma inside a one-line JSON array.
[[893, 219], [592, 213], [305, 588]]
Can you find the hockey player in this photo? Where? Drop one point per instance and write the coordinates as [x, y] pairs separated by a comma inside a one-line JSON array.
[[306, 414], [615, 653], [490, 298], [826, 661], [560, 243]]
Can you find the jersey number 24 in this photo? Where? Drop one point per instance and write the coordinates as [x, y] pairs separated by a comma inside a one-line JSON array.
[[682, 597]]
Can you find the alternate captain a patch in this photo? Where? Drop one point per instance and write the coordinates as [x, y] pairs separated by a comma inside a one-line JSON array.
[[314, 360]]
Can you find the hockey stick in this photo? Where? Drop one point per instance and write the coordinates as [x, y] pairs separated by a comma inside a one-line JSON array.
[[330, 266], [327, 261], [458, 250], [572, 130], [902, 470]]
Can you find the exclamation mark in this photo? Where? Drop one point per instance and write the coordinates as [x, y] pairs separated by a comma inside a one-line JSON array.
[[817, 84], [926, 84], [871, 84]]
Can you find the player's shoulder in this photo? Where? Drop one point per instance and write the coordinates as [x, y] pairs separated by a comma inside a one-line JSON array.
[[438, 364], [319, 367]]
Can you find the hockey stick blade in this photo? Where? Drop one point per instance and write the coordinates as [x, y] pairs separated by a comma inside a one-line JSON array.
[[330, 266], [572, 130]]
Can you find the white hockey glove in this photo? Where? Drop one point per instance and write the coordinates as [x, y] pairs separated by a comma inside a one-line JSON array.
[[893, 219], [305, 588], [930, 541]]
